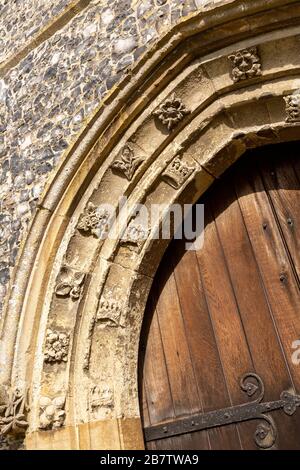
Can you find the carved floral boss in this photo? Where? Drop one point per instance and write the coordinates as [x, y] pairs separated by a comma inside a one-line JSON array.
[[13, 412], [245, 64], [292, 107], [94, 220], [57, 346], [171, 112]]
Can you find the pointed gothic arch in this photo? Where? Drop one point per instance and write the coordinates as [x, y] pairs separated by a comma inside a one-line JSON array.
[[233, 74]]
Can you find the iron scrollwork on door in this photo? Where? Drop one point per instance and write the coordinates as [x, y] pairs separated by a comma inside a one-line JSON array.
[[266, 432]]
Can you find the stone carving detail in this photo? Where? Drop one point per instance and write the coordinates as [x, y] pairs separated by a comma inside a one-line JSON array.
[[109, 312], [135, 234], [71, 283], [177, 172], [57, 346], [292, 107], [127, 163], [101, 397], [171, 112], [246, 64], [13, 412], [94, 220], [52, 413]]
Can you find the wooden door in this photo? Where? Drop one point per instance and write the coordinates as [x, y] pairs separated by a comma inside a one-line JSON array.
[[222, 324]]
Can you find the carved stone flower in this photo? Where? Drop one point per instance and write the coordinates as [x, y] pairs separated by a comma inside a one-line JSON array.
[[171, 112], [127, 163], [57, 346], [13, 412], [52, 414], [94, 220], [70, 284], [246, 64], [292, 107]]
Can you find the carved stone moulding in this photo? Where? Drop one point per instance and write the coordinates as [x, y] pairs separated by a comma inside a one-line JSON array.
[[70, 283], [245, 63], [56, 346], [292, 107], [52, 413], [127, 162], [177, 172], [171, 112], [13, 411]]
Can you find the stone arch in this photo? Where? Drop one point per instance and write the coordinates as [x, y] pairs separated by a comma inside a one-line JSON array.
[[232, 79]]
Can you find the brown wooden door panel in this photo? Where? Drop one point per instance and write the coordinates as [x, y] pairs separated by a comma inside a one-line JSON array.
[[230, 308], [250, 296], [212, 387], [275, 268], [281, 182]]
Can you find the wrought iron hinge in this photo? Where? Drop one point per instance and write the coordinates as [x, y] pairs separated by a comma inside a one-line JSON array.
[[266, 432]]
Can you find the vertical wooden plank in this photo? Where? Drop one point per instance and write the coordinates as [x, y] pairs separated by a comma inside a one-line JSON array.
[[265, 349]]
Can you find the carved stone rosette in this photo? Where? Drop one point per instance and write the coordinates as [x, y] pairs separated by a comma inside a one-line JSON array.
[[13, 412], [245, 64], [70, 284], [177, 172], [52, 413], [127, 163], [57, 346], [171, 112], [292, 107], [94, 220]]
